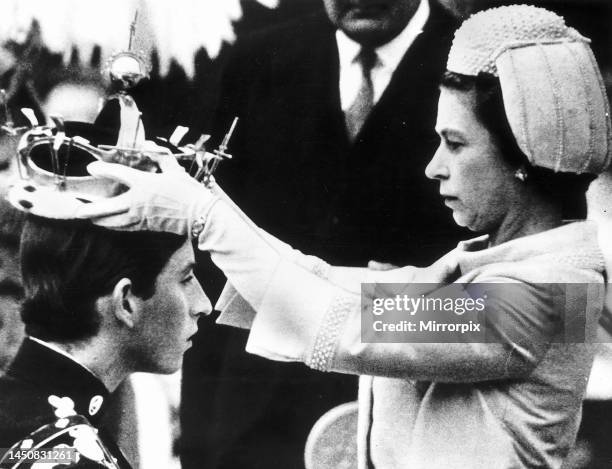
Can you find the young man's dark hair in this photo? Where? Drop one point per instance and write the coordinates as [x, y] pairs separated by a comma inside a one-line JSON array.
[[66, 266], [99, 305]]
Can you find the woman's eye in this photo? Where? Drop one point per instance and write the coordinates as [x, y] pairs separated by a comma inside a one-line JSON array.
[[453, 145]]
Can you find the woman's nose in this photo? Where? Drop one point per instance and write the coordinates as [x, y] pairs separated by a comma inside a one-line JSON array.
[[436, 169]]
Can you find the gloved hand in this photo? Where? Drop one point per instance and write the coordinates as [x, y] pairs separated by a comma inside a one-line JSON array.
[[170, 201]]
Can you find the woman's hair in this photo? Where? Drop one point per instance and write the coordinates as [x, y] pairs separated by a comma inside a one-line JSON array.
[[567, 188], [67, 265]]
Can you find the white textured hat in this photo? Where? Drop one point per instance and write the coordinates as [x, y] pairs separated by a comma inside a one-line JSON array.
[[553, 92]]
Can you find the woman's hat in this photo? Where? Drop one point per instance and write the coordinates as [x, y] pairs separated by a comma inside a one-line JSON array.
[[553, 92]]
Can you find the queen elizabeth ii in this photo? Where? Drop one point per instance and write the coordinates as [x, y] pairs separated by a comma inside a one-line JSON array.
[[524, 125]]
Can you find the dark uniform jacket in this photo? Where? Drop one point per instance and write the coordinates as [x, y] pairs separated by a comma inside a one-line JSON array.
[[38, 372], [297, 175]]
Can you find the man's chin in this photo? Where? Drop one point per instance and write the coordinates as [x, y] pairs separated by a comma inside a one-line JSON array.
[[169, 367], [368, 31], [170, 370]]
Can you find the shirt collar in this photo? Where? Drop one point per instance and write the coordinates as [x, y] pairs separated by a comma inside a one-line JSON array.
[[391, 53]]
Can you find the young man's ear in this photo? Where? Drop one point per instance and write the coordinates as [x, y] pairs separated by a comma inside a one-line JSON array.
[[125, 304]]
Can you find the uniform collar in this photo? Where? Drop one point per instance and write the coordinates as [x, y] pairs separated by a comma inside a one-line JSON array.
[[56, 373]]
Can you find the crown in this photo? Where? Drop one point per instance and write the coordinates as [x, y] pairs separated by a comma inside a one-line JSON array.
[[53, 159]]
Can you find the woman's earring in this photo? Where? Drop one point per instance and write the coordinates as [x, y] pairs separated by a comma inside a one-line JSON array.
[[521, 174]]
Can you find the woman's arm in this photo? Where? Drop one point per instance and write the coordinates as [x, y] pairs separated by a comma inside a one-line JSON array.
[[305, 313], [310, 312]]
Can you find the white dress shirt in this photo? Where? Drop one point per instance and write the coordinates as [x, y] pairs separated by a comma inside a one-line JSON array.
[[389, 57]]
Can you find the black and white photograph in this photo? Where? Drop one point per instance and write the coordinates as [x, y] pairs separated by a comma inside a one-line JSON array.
[[305, 234]]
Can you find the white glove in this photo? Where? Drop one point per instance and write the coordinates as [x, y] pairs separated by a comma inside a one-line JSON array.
[[170, 201]]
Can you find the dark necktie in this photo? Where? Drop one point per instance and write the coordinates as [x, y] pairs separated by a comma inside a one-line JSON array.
[[357, 113]]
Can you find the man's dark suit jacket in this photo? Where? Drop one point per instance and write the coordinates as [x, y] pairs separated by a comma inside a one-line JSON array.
[[297, 175], [36, 373]]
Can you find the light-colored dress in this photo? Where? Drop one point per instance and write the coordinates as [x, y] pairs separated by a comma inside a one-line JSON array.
[[512, 404]]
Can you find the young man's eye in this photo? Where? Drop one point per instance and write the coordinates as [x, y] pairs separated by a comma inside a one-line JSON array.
[[188, 279]]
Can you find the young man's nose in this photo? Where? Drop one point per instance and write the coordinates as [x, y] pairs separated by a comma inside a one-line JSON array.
[[201, 304]]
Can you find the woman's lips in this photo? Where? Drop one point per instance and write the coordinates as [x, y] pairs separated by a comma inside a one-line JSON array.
[[449, 200]]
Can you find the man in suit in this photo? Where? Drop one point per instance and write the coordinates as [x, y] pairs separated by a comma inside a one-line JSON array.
[[98, 306], [337, 115]]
